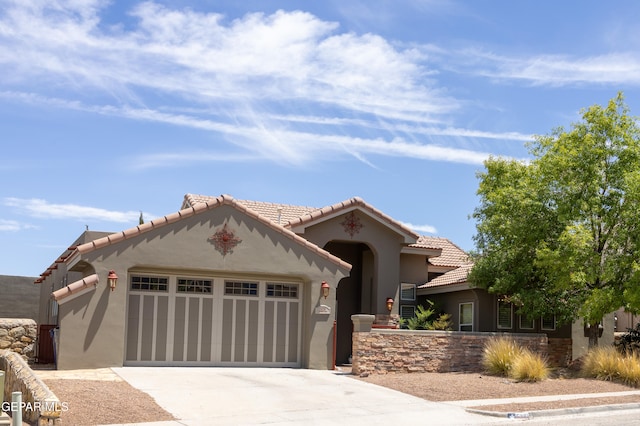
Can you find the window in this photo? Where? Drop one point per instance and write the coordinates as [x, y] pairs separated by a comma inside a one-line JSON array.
[[186, 285], [505, 314], [407, 312], [549, 323], [408, 292], [289, 291], [139, 282], [526, 324], [466, 317], [240, 288]]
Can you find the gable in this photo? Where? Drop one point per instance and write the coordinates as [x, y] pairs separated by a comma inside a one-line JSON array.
[[221, 234], [341, 209]]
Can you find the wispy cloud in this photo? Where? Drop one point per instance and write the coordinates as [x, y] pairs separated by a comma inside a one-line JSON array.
[[13, 226], [421, 228], [288, 87], [43, 209], [614, 68]]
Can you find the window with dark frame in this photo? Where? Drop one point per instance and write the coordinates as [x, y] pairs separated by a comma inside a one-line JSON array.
[[408, 292], [407, 311], [240, 288], [188, 285], [149, 283], [287, 291]]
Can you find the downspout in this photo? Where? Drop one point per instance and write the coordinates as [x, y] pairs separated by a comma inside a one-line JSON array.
[[334, 344]]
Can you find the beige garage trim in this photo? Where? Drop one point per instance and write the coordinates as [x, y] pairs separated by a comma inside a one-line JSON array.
[[217, 321]]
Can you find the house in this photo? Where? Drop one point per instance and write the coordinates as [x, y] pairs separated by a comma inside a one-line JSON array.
[[475, 309], [227, 282]]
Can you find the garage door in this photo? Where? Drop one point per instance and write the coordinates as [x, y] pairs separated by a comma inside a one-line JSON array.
[[174, 320]]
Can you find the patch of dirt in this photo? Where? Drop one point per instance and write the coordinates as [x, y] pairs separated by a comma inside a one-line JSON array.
[[96, 402], [474, 386]]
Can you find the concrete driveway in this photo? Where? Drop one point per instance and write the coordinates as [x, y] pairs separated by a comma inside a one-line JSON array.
[[233, 396]]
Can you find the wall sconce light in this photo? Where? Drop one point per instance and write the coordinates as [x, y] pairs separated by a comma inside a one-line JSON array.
[[325, 289], [112, 279], [389, 304]]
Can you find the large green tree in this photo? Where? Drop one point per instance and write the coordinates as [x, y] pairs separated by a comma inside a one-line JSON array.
[[560, 234]]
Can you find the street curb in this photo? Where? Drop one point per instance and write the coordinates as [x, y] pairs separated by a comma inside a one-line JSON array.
[[556, 411]]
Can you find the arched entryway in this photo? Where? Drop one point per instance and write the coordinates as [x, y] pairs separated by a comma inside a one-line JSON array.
[[355, 293]]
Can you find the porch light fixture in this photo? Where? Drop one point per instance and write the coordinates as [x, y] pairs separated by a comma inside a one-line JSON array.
[[325, 289], [112, 279], [389, 304]]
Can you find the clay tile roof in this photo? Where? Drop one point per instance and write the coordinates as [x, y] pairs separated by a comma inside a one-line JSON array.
[[452, 255], [291, 215], [275, 212], [199, 207], [344, 205], [64, 292], [456, 276]]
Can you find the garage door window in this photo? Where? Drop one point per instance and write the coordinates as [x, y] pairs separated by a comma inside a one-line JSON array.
[[147, 283], [233, 288], [186, 285], [288, 291]]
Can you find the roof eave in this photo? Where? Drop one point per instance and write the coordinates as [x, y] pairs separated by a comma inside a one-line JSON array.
[[445, 288]]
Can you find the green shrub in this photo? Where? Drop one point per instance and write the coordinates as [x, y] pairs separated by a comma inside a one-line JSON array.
[[422, 318], [443, 322], [499, 354], [528, 367], [629, 342]]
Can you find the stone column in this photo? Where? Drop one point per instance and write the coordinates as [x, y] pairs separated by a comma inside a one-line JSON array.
[[361, 328]]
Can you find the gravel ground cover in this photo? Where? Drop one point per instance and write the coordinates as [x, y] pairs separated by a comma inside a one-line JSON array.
[[93, 402]]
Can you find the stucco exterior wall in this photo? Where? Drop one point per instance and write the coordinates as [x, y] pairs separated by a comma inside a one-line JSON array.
[[384, 243], [581, 342], [413, 269], [92, 326], [20, 297], [450, 303]]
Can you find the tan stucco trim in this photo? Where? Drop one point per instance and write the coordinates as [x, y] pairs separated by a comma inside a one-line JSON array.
[[75, 289]]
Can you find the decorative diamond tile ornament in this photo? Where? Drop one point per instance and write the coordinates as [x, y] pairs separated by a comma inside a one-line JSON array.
[[224, 240], [351, 224]]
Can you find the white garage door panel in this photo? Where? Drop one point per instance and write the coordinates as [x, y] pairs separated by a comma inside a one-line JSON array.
[[237, 323]]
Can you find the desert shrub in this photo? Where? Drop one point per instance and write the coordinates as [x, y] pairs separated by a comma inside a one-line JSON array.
[[528, 367], [607, 363], [421, 319], [630, 370], [602, 363], [499, 355], [443, 322], [629, 342]]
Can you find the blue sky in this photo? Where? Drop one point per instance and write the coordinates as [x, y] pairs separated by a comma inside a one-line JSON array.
[[108, 109]]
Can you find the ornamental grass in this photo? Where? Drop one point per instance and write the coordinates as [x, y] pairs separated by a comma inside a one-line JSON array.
[[504, 357], [607, 363], [528, 367]]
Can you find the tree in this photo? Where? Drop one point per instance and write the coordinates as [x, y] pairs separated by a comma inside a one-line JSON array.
[[560, 234]]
